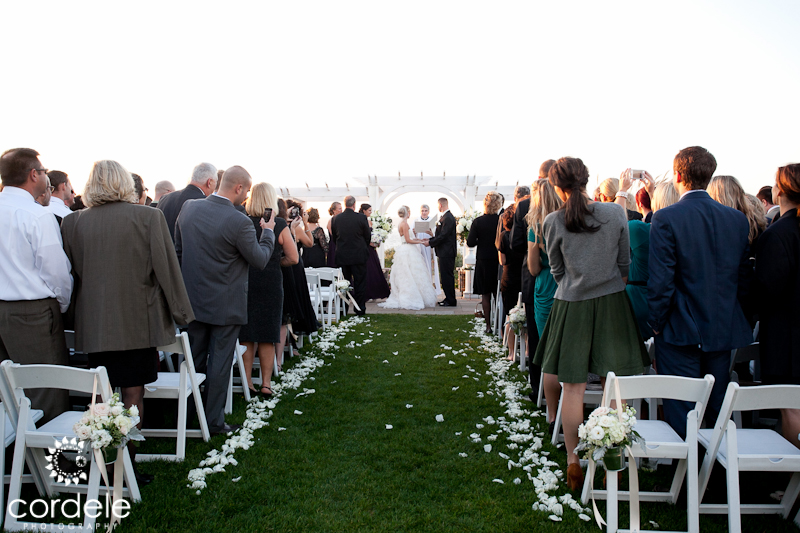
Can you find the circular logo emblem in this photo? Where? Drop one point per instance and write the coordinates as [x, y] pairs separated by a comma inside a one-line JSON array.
[[68, 461]]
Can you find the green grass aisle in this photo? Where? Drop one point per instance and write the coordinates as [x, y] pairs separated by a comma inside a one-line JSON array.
[[357, 446]]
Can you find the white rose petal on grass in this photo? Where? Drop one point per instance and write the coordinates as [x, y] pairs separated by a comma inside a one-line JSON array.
[[554, 518], [236, 479], [389, 426], [585, 517], [385, 361], [409, 406], [462, 454], [298, 412], [458, 433], [517, 481], [655, 525], [398, 374], [440, 418], [395, 353], [450, 363], [455, 388], [487, 448], [281, 429], [497, 480]]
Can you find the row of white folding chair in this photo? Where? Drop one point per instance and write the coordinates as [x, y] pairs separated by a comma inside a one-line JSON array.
[[31, 442], [661, 441], [315, 293], [497, 312], [8, 435], [331, 302]]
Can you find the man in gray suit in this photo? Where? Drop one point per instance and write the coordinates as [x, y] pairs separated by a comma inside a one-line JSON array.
[[216, 244]]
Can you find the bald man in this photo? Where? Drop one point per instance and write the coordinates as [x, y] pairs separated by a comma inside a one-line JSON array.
[[163, 188], [216, 245]]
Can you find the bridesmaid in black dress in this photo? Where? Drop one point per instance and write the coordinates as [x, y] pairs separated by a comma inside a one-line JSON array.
[[482, 234], [333, 210], [265, 291], [314, 257], [377, 288]]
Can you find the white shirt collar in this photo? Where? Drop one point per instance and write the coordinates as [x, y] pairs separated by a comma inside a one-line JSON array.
[[690, 192], [220, 196], [18, 192]]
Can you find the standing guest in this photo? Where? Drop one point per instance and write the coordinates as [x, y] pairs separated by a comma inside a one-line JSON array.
[[292, 308], [163, 188], [203, 183], [765, 196], [778, 282], [728, 191], [643, 203], [139, 189], [609, 192], [44, 199], [78, 204], [305, 323], [377, 288], [544, 201], [36, 283], [591, 327], [63, 195], [482, 234], [333, 210], [444, 243], [427, 253], [128, 284], [511, 269], [519, 243], [698, 263], [265, 291], [216, 244], [314, 257], [352, 236]]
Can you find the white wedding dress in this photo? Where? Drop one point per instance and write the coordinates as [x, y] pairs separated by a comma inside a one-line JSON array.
[[410, 279]]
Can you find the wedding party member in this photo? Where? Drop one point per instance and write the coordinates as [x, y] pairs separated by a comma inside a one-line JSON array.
[[410, 288], [427, 253], [63, 194], [544, 201], [377, 288], [482, 234], [216, 244], [350, 231], [591, 327], [314, 257], [37, 284], [265, 291], [444, 244], [728, 191], [698, 262], [333, 210], [778, 287], [203, 182], [519, 243], [128, 284], [304, 322]]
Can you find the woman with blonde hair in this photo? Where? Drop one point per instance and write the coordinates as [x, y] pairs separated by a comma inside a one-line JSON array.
[[265, 293], [728, 191], [482, 234], [129, 291], [610, 192]]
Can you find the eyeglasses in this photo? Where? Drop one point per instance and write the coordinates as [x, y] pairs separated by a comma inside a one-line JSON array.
[[51, 188], [41, 170]]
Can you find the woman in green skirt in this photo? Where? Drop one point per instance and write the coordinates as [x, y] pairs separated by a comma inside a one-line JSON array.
[[591, 327]]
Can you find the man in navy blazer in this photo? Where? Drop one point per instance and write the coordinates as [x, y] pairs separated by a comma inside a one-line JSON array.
[[698, 268]]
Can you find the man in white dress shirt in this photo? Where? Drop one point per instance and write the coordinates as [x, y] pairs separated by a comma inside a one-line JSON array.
[[35, 279], [63, 196], [427, 254]]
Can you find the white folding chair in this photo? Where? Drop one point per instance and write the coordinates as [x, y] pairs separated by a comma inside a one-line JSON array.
[[314, 286], [178, 386], [497, 312], [330, 296], [237, 384], [8, 434], [750, 450], [592, 397], [661, 441], [34, 441], [745, 354]]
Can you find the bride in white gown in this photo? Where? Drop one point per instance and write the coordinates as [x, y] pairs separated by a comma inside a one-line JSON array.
[[410, 279]]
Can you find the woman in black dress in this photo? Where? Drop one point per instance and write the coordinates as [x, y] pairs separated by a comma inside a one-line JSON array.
[[511, 261], [482, 234], [778, 282], [265, 293], [333, 210], [377, 288], [314, 257]]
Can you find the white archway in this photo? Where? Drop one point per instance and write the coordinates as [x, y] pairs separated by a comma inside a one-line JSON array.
[[387, 198]]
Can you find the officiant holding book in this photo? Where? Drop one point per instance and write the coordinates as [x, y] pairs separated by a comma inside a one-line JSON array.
[[426, 224], [444, 243]]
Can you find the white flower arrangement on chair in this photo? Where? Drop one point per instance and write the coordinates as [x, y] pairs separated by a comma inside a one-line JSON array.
[[606, 430], [109, 425]]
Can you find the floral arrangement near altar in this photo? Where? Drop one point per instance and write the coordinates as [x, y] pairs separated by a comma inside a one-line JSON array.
[[517, 318], [109, 424], [381, 227], [605, 430], [464, 224]]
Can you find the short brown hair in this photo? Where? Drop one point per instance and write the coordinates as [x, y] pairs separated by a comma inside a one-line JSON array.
[[545, 168], [15, 165], [696, 166], [57, 178], [765, 193], [313, 215]]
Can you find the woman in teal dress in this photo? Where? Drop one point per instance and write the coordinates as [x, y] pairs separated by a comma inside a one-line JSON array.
[[544, 201]]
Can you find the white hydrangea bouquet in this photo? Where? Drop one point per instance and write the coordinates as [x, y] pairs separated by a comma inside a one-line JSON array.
[[109, 424], [342, 287], [464, 224], [606, 433], [517, 319], [381, 227]]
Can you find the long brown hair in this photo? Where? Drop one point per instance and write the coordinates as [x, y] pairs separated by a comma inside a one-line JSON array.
[[788, 182], [544, 201], [570, 174]]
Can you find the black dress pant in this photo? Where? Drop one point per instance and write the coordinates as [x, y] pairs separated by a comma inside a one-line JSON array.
[[447, 270], [533, 341], [357, 275]]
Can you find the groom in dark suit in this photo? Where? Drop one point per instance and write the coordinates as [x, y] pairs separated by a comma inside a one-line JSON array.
[[444, 242], [350, 231]]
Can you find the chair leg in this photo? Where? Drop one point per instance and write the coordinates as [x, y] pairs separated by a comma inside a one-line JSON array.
[[541, 390], [557, 426], [677, 480], [732, 474], [790, 494], [201, 413], [17, 466], [243, 374], [182, 407], [612, 503], [692, 494]]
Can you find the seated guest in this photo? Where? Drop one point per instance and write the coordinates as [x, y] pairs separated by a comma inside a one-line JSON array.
[[778, 284], [482, 234], [129, 288], [698, 253], [314, 257], [265, 291]]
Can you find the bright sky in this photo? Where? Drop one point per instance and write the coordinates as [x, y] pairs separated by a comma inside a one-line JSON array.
[[323, 91]]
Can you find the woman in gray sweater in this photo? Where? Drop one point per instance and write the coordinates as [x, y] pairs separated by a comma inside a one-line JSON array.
[[591, 327]]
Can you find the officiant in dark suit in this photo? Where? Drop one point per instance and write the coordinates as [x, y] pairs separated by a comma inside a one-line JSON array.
[[444, 243], [350, 231]]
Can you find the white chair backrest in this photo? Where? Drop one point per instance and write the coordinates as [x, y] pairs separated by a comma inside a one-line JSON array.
[[669, 387], [21, 377], [327, 273], [762, 397], [180, 346], [312, 277]]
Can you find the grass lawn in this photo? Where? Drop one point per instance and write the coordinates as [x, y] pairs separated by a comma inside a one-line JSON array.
[[336, 467]]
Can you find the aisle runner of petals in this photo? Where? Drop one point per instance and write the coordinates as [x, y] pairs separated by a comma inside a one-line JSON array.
[[522, 440], [260, 410]]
